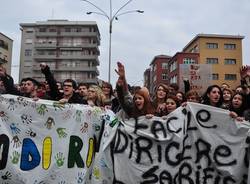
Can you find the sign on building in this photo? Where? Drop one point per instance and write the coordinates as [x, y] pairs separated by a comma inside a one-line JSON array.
[[199, 76]]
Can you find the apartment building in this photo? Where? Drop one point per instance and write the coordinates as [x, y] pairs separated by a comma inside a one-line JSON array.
[[175, 63], [146, 78], [69, 48], [6, 45], [222, 52], [159, 71]]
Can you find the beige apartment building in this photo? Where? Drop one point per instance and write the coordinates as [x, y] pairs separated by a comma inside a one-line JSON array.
[[223, 52], [6, 45], [69, 48]]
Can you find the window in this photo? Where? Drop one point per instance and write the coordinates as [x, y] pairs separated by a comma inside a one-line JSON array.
[[40, 52], [28, 41], [77, 41], [212, 45], [28, 52], [67, 29], [29, 30], [164, 65], [42, 29], [52, 30], [78, 29], [230, 77], [51, 53], [212, 61], [4, 45], [173, 79], [189, 61], [230, 61], [229, 46], [164, 76], [90, 64], [51, 40], [154, 78], [215, 76], [173, 66], [67, 42]]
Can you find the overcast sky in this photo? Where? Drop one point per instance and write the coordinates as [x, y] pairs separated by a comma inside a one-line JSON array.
[[165, 27]]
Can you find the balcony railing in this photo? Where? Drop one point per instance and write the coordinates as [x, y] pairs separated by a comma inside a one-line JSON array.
[[47, 56]]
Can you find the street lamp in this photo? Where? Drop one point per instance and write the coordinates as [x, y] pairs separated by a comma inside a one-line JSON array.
[[110, 18]]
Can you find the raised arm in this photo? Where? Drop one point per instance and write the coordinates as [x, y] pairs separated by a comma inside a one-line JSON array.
[[54, 92], [124, 97]]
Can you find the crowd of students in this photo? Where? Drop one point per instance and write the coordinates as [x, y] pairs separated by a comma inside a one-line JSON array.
[[132, 102]]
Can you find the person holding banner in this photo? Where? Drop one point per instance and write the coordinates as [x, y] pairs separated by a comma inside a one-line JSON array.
[[95, 96], [160, 99], [227, 96], [238, 106], [213, 96], [172, 103], [134, 106], [193, 96]]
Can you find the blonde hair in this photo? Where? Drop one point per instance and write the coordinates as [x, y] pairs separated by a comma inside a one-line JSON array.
[[100, 97]]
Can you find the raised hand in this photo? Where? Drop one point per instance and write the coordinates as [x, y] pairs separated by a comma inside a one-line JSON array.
[[244, 71], [43, 66], [120, 70]]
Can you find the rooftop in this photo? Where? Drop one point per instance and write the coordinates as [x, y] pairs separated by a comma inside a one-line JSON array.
[[213, 36]]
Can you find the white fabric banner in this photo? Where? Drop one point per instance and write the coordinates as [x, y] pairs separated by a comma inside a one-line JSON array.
[[45, 142], [195, 144]]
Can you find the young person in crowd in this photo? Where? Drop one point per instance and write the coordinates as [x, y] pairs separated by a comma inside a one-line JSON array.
[[30, 88], [83, 90], [134, 106], [159, 101], [111, 101], [224, 86], [238, 107], [172, 103], [193, 96], [227, 95], [69, 87], [95, 96], [173, 88], [8, 82], [213, 96], [180, 97]]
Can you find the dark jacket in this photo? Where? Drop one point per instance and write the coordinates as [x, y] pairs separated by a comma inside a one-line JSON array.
[[54, 92], [9, 85]]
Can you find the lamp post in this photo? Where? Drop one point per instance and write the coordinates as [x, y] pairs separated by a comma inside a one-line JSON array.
[[111, 18]]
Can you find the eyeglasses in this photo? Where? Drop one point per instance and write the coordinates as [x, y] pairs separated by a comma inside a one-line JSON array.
[[67, 85]]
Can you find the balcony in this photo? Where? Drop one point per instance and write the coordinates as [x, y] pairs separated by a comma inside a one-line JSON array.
[[45, 56], [62, 68], [45, 46], [78, 57], [81, 57], [78, 34], [46, 34], [81, 45]]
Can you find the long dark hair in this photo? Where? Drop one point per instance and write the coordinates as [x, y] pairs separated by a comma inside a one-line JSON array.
[[206, 99], [106, 84], [239, 111]]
